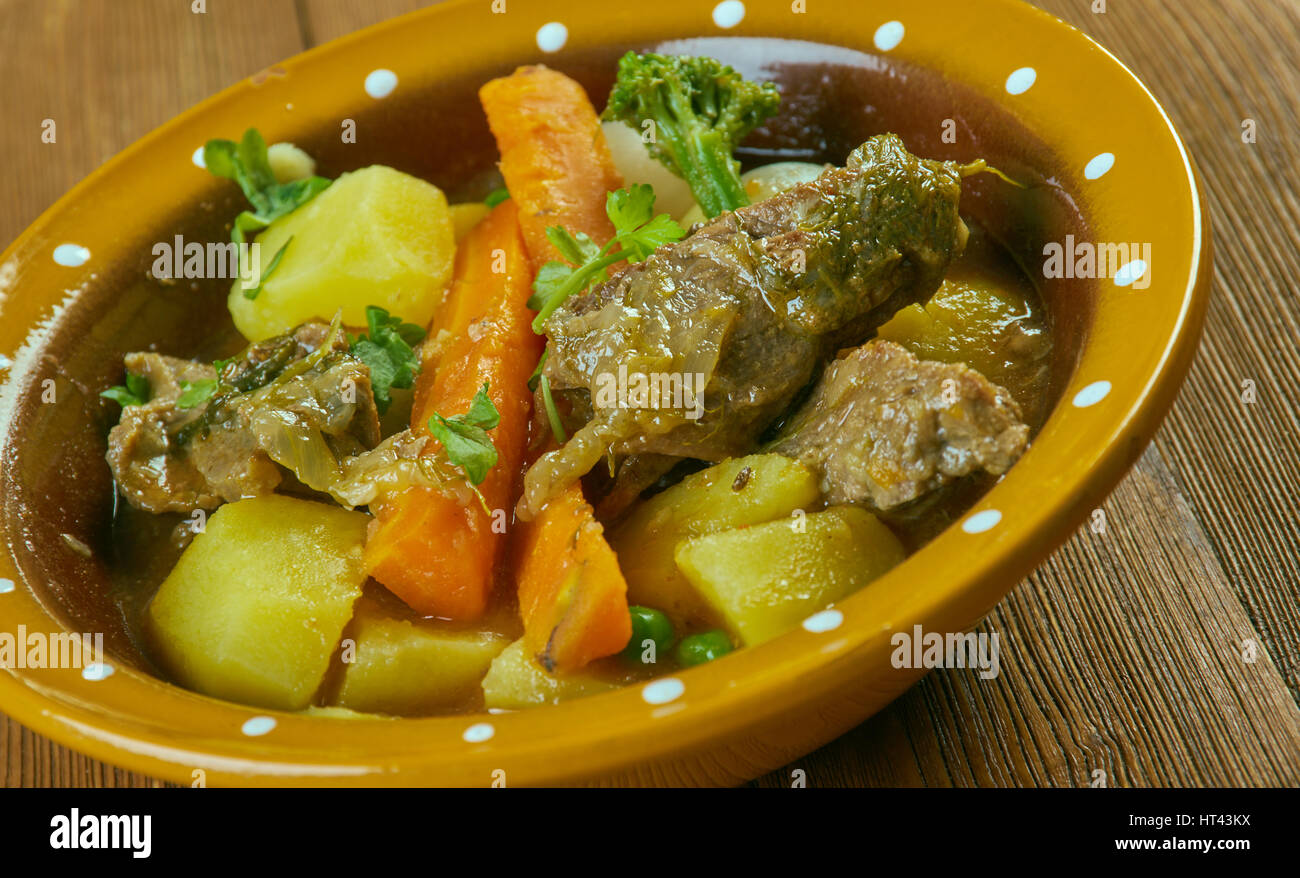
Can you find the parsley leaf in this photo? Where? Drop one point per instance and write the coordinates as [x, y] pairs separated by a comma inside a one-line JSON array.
[[251, 293], [631, 207], [195, 393], [389, 353], [551, 278], [465, 436], [534, 378], [637, 233], [577, 248], [649, 237], [247, 164], [552, 413], [496, 196], [135, 392]]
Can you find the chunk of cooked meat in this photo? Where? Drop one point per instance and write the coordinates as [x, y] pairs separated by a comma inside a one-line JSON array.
[[748, 307], [293, 401], [141, 448], [883, 428]]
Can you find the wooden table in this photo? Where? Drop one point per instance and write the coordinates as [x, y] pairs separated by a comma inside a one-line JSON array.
[[1124, 651]]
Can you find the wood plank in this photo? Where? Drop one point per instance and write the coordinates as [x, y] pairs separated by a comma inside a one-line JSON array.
[[325, 20], [107, 74]]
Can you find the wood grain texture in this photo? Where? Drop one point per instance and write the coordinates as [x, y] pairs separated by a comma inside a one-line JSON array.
[[1124, 652]]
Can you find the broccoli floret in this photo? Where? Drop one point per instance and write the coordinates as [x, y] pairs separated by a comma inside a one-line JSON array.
[[701, 109]]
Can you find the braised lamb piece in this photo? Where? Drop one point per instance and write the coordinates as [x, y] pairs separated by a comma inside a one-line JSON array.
[[883, 428], [298, 401], [753, 302]]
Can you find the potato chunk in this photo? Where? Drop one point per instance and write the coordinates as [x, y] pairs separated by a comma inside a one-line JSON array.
[[766, 579], [734, 493], [986, 324], [410, 668], [465, 217], [515, 681], [254, 608], [375, 237]]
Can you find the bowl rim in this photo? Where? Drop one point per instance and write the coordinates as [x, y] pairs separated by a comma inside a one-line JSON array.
[[757, 685]]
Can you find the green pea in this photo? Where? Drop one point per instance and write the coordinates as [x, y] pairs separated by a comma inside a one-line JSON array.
[[648, 624], [700, 648]]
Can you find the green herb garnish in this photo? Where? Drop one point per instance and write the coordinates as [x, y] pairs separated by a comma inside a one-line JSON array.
[[195, 393], [247, 164], [496, 196], [274, 264], [637, 232], [534, 378], [389, 353], [136, 391], [466, 440], [552, 413]]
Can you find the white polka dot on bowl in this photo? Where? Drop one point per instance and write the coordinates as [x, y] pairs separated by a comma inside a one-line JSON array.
[[380, 83], [478, 733], [97, 671], [197, 158], [1098, 165], [6, 586], [1129, 272], [982, 521], [552, 36], [257, 726], [1020, 81], [729, 13], [663, 690], [888, 35], [71, 255], [826, 620], [1092, 394]]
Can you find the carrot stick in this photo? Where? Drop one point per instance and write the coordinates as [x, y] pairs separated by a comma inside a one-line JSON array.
[[554, 157], [557, 167], [572, 596], [429, 548]]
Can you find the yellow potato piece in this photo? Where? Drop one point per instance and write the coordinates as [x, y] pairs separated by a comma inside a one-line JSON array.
[[375, 237], [254, 608], [711, 500], [516, 681], [766, 579], [969, 321], [411, 668], [466, 216], [340, 713]]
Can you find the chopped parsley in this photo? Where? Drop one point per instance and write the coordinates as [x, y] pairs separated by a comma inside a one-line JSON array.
[[637, 233], [196, 393], [496, 196], [552, 413], [389, 353], [136, 391], [252, 292], [247, 164], [466, 440]]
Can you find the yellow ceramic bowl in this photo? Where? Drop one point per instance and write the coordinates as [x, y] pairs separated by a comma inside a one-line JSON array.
[[1028, 92]]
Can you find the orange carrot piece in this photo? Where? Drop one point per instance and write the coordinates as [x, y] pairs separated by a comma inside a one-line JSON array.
[[558, 168], [428, 547], [572, 595], [434, 553], [554, 157]]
